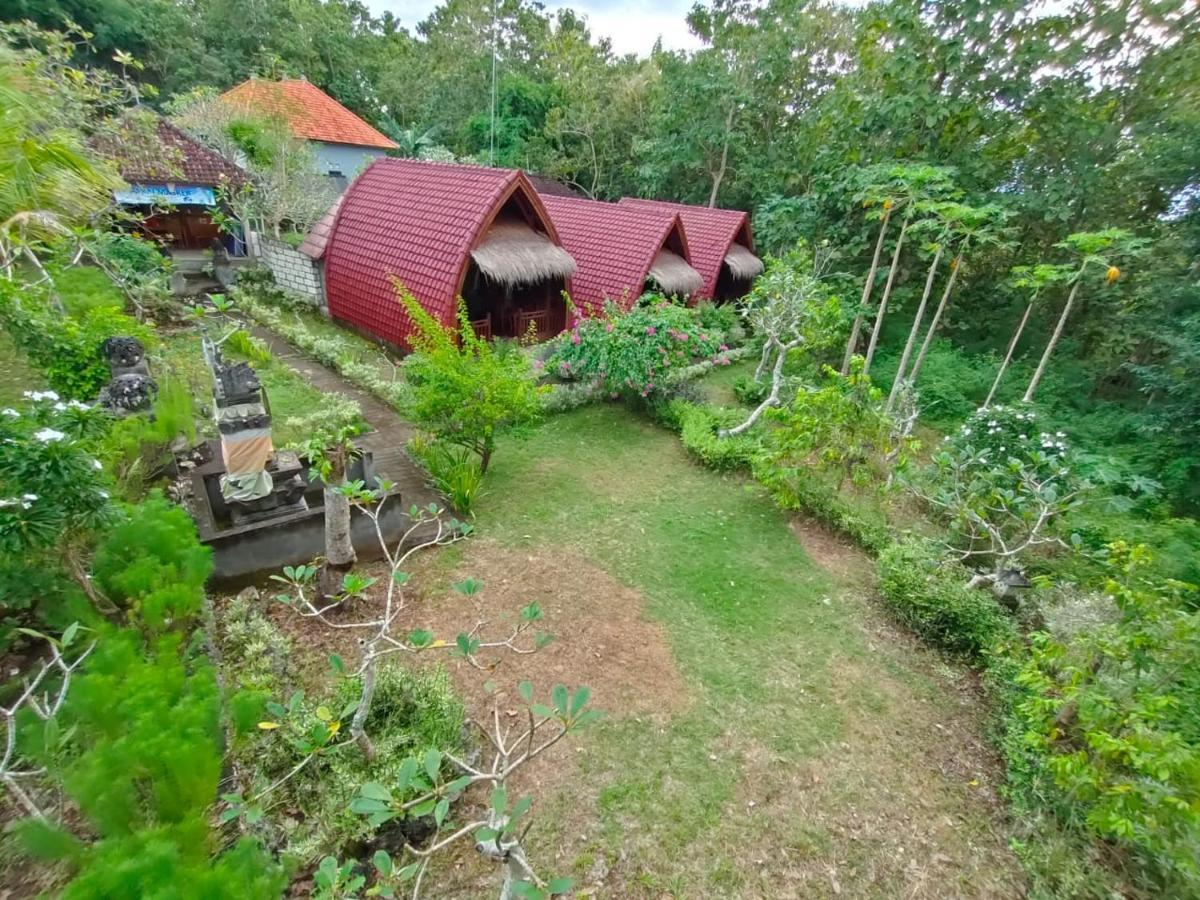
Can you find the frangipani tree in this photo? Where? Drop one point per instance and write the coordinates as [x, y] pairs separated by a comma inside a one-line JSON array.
[[790, 306], [904, 188], [1094, 250]]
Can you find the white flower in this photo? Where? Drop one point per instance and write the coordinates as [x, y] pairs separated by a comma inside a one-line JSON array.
[[46, 435], [60, 407], [7, 502], [10, 412], [1024, 437], [104, 495], [29, 497], [97, 465], [37, 396], [1001, 449], [1060, 434], [75, 404]]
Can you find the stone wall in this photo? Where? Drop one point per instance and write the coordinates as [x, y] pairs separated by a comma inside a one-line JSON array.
[[293, 270]]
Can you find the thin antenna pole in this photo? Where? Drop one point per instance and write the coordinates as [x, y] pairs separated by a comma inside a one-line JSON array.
[[492, 143]]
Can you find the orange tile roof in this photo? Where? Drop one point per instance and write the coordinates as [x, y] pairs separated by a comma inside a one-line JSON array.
[[309, 112]]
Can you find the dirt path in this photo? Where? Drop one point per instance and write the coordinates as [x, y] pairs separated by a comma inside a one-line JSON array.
[[389, 434]]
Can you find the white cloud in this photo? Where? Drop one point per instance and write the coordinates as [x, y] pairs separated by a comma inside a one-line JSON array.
[[632, 26]]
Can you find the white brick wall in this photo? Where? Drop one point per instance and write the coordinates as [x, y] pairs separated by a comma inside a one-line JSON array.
[[293, 270]]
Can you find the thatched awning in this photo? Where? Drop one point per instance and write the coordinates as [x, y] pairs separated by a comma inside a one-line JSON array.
[[671, 272], [512, 253], [743, 264]]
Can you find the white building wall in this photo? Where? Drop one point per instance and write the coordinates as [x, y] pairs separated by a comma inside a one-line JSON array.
[[344, 158], [293, 271]]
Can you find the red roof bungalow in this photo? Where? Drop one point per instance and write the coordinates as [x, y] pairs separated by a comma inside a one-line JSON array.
[[443, 231], [721, 244], [622, 251], [341, 141]]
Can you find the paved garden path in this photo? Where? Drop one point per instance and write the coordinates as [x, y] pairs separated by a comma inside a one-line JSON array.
[[389, 432]]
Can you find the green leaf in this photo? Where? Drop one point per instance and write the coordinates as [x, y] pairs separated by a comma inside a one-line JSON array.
[[69, 634], [469, 587], [560, 885], [499, 800], [276, 709], [407, 770], [531, 613], [408, 872], [401, 577], [336, 663], [579, 700], [485, 834], [542, 711], [375, 791], [439, 811], [420, 638], [559, 697], [365, 806], [382, 862], [323, 713], [433, 764]]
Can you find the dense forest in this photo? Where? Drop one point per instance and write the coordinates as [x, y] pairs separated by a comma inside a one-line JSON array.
[[1081, 120]]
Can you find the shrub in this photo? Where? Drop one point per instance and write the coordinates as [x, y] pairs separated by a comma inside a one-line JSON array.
[[1112, 717], [463, 389], [698, 427], [796, 488], [454, 472], [749, 391], [137, 448], [634, 353], [932, 598], [154, 565], [66, 349], [719, 320]]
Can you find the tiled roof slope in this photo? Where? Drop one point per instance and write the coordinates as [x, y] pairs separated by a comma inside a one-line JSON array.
[[710, 234], [172, 157], [613, 246], [310, 113], [314, 243], [415, 222]]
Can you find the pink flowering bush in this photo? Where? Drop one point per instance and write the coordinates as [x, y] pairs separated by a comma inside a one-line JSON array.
[[632, 353]]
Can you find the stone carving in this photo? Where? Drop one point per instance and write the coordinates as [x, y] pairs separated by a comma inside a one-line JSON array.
[[131, 389]]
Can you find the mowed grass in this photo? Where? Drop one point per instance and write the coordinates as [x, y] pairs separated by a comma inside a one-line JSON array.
[[794, 766]]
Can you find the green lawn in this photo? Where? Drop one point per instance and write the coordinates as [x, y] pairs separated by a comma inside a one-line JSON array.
[[289, 394], [16, 375], [820, 751]]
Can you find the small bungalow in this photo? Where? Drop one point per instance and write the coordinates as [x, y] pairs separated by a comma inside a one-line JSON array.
[[443, 231], [173, 181], [622, 251], [721, 244], [342, 143]]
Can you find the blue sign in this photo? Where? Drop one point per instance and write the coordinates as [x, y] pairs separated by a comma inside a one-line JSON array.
[[174, 194]]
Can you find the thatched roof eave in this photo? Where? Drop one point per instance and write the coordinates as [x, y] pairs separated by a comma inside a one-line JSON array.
[[512, 253], [671, 272], [743, 264]]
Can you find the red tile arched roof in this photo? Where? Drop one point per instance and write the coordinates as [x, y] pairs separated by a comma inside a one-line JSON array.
[[711, 232], [415, 222], [310, 113], [613, 247]]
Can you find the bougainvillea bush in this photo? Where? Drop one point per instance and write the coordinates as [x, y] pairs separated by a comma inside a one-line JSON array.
[[633, 353]]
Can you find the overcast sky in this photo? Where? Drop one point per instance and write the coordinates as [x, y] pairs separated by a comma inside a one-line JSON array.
[[633, 26]]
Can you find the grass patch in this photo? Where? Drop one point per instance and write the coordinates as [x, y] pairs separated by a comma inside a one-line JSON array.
[[801, 731], [16, 375]]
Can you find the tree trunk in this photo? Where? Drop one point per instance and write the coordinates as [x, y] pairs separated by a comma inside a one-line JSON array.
[[1012, 345], [339, 548], [937, 316], [772, 399], [1058, 330], [916, 328], [762, 360], [359, 722], [887, 292], [719, 176], [485, 454], [866, 294]]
